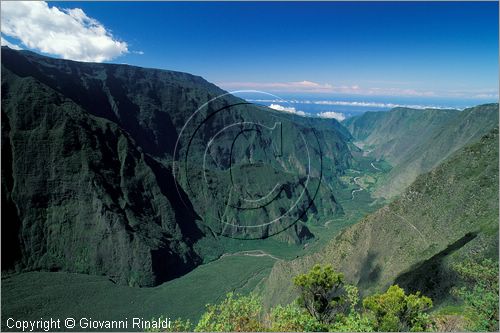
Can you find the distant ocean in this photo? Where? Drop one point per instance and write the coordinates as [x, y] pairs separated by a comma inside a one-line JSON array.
[[349, 106]]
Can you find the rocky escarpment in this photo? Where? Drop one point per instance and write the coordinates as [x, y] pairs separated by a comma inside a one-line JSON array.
[[88, 183], [81, 196]]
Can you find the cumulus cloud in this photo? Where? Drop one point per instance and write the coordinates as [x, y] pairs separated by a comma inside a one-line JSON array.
[[290, 109], [11, 45], [68, 33], [282, 108], [331, 115]]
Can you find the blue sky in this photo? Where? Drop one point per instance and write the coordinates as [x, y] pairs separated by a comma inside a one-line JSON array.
[[403, 50]]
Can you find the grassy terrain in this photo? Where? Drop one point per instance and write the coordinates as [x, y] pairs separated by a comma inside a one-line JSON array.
[[324, 229], [247, 263], [445, 216], [59, 295]]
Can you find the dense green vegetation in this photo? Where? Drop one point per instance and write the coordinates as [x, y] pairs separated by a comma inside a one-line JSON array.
[[446, 216], [60, 295], [327, 303], [395, 311], [479, 294], [90, 210], [88, 180], [241, 271]]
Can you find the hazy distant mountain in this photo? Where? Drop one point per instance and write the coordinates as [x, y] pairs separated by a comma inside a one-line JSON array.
[[415, 141]]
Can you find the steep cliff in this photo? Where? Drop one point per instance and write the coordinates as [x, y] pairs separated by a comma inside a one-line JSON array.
[[105, 172]]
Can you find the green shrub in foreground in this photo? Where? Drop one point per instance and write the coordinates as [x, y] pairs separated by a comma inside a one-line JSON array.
[[480, 294], [234, 314], [394, 311], [292, 318], [322, 293], [177, 325], [326, 303]]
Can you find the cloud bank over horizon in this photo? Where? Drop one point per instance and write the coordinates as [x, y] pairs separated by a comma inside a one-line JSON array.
[[308, 87], [377, 105]]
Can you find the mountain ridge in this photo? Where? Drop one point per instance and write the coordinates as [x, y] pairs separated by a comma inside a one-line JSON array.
[[88, 177], [449, 213], [415, 141]]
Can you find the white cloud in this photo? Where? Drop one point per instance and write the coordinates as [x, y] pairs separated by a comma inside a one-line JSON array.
[[290, 109], [9, 44], [331, 115], [279, 107], [68, 33]]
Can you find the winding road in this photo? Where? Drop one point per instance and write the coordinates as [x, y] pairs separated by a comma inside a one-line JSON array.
[[358, 190], [375, 167], [357, 178], [250, 253], [327, 223]]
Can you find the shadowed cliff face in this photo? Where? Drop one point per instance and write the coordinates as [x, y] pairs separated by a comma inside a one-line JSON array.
[[83, 197], [87, 179]]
